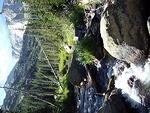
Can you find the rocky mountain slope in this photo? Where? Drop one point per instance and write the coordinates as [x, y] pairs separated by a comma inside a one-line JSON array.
[[108, 72], [16, 21], [19, 76]]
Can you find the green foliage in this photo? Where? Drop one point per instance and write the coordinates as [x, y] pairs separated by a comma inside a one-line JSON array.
[[51, 28], [64, 91], [63, 58], [77, 16], [67, 98], [85, 50]]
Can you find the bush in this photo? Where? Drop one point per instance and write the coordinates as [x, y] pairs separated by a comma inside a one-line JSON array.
[[85, 50]]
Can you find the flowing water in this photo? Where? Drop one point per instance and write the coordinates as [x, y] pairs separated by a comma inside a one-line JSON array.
[[133, 81]]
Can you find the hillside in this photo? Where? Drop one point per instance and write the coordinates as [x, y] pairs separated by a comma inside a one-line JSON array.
[[82, 57]]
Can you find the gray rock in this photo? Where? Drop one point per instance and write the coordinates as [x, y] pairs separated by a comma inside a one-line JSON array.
[[76, 72], [111, 106], [87, 99], [116, 104], [123, 32]]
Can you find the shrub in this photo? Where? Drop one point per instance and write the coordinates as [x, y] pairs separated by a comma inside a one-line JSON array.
[[85, 50]]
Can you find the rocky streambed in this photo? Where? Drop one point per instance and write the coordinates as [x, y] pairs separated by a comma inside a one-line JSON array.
[[116, 81], [121, 29]]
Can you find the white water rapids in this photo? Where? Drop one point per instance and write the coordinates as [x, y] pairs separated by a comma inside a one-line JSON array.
[[128, 79]]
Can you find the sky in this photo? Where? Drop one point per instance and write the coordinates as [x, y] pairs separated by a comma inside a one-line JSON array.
[[1, 4], [6, 60]]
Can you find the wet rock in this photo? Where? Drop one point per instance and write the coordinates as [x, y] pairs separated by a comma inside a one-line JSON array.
[[123, 30], [92, 19], [77, 72], [87, 97], [87, 101], [116, 104]]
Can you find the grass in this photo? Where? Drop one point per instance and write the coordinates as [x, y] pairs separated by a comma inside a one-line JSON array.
[[68, 35], [64, 92], [85, 50], [77, 16], [63, 58]]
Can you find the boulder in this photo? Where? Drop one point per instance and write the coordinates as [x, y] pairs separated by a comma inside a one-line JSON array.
[[116, 104], [77, 72], [123, 31]]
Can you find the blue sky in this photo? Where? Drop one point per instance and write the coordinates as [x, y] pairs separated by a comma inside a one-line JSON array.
[[1, 4], [6, 60]]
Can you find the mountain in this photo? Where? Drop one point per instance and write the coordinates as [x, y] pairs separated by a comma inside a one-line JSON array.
[[18, 78], [34, 83], [15, 19], [16, 22], [10, 79], [108, 71]]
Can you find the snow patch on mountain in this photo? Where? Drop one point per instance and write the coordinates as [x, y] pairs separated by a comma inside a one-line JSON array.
[[17, 22]]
